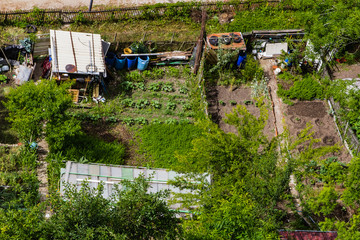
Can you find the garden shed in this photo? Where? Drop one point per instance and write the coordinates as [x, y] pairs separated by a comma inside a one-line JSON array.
[[77, 53], [80, 56], [76, 173]]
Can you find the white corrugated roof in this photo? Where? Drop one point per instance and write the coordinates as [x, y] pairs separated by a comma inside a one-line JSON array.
[[82, 50], [76, 173]]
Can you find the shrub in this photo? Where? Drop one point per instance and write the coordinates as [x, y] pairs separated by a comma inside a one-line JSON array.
[[288, 101], [305, 89]]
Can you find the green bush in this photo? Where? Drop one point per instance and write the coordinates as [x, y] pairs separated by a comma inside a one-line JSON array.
[[83, 146], [163, 141], [306, 89]]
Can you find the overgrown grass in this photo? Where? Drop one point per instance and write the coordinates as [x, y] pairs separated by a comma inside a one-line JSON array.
[[85, 148], [162, 142], [18, 174], [7, 135]]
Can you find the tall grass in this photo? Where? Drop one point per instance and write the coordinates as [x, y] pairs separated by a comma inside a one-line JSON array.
[[85, 148], [161, 142]]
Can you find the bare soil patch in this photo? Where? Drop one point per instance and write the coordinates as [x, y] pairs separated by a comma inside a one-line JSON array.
[[347, 71], [315, 112], [222, 101], [308, 109]]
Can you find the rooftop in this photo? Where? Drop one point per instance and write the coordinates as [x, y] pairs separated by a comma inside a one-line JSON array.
[[76, 52]]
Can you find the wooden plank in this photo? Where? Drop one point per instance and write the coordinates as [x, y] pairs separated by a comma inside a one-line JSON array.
[[200, 42], [277, 31]]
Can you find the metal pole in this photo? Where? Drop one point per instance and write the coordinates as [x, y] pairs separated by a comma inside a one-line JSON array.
[[90, 6]]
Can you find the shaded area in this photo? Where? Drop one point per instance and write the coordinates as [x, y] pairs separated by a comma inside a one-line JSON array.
[[85, 148], [7, 135]]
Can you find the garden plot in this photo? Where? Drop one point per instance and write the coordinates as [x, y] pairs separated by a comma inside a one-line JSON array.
[[347, 71], [156, 96], [222, 100], [316, 113], [159, 95], [297, 115]]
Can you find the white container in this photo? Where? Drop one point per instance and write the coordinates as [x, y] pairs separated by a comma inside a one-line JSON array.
[[5, 68]]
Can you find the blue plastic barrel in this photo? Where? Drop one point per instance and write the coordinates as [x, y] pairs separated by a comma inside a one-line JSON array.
[[241, 59], [110, 59], [143, 63], [120, 63], [131, 62]]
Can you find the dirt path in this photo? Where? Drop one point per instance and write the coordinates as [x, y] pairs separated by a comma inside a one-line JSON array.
[[43, 151], [279, 123]]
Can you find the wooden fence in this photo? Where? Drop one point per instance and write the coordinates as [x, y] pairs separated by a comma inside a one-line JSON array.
[[38, 16]]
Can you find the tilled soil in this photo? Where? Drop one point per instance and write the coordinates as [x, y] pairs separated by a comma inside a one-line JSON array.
[[309, 109], [347, 71], [323, 126], [218, 111]]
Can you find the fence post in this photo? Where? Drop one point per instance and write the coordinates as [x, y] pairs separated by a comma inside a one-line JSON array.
[[90, 6], [200, 42]]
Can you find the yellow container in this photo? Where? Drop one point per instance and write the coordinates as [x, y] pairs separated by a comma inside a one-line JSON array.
[[127, 51]]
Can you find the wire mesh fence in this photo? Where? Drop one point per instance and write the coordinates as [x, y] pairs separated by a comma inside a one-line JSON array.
[[346, 133], [145, 12]]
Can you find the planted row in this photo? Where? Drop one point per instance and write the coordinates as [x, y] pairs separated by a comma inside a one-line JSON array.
[[143, 121], [154, 86], [157, 73], [144, 103]]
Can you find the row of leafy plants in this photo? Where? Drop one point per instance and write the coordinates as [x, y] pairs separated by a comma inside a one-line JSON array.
[[153, 86]]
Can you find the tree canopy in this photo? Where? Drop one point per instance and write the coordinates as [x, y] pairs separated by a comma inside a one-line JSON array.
[[40, 109]]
